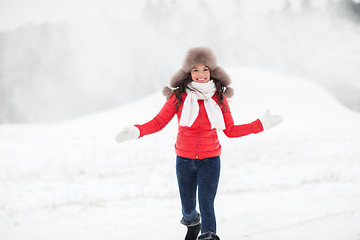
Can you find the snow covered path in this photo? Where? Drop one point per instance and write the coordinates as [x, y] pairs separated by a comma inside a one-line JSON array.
[[308, 212]]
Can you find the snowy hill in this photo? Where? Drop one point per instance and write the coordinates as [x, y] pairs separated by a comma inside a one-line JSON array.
[[304, 104], [71, 180]]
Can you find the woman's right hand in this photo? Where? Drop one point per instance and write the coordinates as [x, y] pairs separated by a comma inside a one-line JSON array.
[[128, 133]]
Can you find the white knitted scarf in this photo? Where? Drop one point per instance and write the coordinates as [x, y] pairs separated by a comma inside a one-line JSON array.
[[190, 111]]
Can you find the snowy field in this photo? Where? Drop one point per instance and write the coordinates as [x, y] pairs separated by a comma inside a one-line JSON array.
[[299, 181]]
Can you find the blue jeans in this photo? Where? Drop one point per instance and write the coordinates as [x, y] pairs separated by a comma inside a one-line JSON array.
[[202, 174]]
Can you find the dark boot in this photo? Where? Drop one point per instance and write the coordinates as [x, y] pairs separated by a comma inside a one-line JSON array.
[[193, 232], [208, 236], [193, 228]]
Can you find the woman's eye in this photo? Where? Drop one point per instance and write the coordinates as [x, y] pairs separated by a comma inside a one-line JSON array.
[[206, 69]]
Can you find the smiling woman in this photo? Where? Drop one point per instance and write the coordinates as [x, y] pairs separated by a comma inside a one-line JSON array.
[[200, 73], [199, 101]]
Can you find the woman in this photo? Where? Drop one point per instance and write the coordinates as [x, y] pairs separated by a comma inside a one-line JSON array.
[[199, 99]]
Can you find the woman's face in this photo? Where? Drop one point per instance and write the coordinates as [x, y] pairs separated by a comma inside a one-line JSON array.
[[200, 73]]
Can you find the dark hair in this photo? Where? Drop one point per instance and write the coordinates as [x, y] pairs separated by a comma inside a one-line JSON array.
[[182, 85]]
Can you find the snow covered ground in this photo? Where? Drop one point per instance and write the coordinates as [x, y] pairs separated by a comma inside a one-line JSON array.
[[300, 181]]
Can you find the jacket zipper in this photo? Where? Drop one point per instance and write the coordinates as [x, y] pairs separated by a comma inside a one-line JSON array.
[[198, 135]]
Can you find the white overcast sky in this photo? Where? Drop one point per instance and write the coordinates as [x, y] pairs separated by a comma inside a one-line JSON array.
[[14, 13]]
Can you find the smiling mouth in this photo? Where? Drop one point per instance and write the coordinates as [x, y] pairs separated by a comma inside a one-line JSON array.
[[201, 79]]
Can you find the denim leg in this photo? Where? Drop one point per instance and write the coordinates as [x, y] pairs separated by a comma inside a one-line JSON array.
[[208, 179], [186, 173]]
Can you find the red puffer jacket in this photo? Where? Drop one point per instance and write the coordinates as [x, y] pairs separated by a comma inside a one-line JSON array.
[[198, 141]]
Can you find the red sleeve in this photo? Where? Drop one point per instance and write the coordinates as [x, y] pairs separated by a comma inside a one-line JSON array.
[[160, 120], [233, 131]]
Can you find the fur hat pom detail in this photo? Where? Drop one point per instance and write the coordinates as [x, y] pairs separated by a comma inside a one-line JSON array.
[[167, 92], [229, 92]]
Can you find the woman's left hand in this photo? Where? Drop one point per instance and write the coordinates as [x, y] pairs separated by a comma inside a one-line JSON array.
[[269, 121]]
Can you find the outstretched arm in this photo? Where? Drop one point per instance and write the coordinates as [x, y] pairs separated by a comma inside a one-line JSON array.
[[234, 131], [265, 122], [160, 120], [156, 124]]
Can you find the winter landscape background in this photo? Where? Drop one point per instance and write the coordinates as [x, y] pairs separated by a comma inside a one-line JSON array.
[[72, 74], [63, 59]]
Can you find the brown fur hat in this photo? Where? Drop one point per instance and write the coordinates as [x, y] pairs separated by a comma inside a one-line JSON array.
[[194, 57]]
